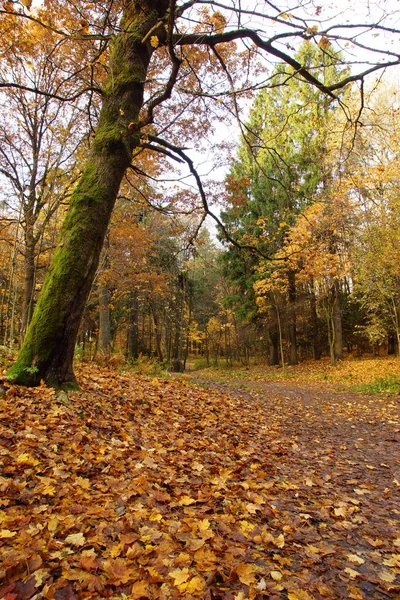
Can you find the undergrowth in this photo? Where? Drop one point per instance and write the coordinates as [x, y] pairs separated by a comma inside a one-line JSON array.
[[388, 385]]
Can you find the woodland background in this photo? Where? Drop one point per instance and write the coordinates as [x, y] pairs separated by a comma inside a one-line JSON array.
[[310, 200]]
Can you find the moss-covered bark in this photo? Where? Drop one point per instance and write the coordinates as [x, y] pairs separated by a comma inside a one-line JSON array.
[[48, 348]]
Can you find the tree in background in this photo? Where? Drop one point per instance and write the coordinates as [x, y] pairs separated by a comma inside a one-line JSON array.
[[281, 169], [129, 100]]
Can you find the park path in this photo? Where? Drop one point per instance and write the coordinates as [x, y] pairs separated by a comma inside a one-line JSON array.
[[338, 457]]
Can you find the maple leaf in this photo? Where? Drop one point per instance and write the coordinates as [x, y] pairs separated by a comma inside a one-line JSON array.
[[387, 576], [351, 573], [196, 584], [354, 558], [246, 573], [140, 589], [299, 595], [6, 533], [186, 501], [118, 571], [179, 575], [76, 539], [27, 459]]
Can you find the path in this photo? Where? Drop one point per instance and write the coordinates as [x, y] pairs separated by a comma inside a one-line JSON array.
[[340, 475]]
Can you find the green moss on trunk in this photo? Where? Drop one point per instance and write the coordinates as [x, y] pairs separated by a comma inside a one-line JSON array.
[[48, 349]]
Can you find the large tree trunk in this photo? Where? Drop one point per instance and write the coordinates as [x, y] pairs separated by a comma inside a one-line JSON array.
[[48, 348]]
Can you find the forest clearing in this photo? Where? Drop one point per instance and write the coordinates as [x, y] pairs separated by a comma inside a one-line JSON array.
[[162, 488], [191, 190]]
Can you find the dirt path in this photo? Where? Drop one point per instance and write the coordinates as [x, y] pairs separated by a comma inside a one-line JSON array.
[[338, 458]]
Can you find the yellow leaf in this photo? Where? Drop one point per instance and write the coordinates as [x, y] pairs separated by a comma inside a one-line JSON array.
[[279, 542], [83, 482], [309, 482], [116, 550], [393, 561], [351, 573], [179, 575], [154, 41], [6, 533], [26, 459], [140, 590], [299, 595], [387, 576], [27, 3], [195, 585], [354, 558], [52, 524], [204, 524], [245, 572], [276, 575], [76, 539], [156, 517], [186, 501], [40, 575], [340, 512]]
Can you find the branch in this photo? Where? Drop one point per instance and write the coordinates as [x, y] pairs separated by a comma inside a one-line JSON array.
[[175, 61], [230, 36], [223, 38], [35, 90], [206, 208]]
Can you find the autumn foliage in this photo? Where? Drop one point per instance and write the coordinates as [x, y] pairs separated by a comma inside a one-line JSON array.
[[160, 489]]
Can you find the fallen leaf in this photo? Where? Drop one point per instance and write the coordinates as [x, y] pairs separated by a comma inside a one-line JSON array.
[[76, 539]]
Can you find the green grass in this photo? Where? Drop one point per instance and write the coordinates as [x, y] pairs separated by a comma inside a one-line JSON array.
[[387, 385]]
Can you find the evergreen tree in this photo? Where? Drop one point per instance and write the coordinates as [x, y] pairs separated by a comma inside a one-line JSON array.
[[281, 168]]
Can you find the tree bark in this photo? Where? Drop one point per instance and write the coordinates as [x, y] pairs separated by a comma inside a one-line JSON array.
[[337, 321], [314, 323], [157, 332], [273, 336], [132, 341], [48, 348], [104, 322], [29, 282], [292, 317]]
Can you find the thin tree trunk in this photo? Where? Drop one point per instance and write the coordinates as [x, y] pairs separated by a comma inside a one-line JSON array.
[[314, 323], [157, 333], [337, 321], [133, 328], [273, 335], [104, 344], [48, 349], [29, 282], [293, 360]]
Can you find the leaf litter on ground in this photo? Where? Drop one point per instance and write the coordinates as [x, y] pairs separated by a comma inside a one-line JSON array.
[[158, 488]]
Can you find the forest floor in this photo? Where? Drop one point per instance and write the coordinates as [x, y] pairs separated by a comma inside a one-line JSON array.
[[227, 489]]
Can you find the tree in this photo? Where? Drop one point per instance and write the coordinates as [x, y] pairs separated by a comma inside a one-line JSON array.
[[48, 348], [281, 169], [39, 138]]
